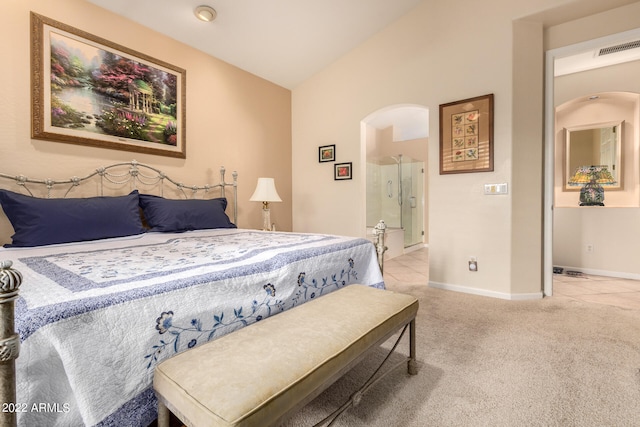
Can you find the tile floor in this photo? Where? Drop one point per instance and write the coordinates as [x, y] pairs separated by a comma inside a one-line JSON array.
[[599, 289], [413, 268]]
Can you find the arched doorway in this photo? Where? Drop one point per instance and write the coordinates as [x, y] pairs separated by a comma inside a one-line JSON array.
[[396, 141]]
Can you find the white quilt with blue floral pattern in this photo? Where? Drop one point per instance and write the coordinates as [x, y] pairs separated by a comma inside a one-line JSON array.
[[95, 318]]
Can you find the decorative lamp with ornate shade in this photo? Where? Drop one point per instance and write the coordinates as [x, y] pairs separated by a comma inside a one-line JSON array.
[[592, 179]]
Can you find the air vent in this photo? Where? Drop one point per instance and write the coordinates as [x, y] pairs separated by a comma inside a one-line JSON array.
[[619, 48]]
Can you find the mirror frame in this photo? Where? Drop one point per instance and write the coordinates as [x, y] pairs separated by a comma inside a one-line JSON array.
[[567, 152]]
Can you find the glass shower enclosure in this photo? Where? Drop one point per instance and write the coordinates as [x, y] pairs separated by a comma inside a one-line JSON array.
[[395, 194]]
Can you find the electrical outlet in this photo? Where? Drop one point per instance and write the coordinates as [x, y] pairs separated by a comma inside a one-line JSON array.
[[588, 247], [473, 264]]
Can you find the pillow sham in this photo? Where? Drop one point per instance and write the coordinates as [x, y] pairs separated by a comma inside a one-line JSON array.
[[38, 221], [176, 215]]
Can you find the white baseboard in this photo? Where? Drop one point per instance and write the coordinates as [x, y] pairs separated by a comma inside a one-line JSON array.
[[486, 293], [607, 273], [415, 247]]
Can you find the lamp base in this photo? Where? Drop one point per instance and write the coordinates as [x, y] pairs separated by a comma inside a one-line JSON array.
[[266, 219], [592, 194]]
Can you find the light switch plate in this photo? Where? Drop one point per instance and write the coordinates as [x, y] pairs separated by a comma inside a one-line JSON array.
[[494, 189]]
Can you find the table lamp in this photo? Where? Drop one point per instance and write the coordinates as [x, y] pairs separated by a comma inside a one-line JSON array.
[[592, 178], [266, 192]]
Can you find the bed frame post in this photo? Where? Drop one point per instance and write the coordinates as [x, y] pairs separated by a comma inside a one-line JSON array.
[[234, 184], [10, 281], [379, 231], [235, 197]]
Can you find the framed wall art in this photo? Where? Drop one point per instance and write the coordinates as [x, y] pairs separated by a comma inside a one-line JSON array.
[[342, 171], [327, 153], [89, 91], [466, 135]]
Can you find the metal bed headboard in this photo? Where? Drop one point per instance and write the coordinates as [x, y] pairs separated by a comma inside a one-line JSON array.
[[135, 174], [119, 174]]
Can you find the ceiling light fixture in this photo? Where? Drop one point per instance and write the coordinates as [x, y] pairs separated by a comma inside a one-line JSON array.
[[205, 13]]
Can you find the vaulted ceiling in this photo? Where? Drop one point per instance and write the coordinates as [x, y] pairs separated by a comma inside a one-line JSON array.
[[283, 41]]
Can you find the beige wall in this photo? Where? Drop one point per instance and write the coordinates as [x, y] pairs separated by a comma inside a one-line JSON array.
[[423, 59], [234, 119], [601, 241]]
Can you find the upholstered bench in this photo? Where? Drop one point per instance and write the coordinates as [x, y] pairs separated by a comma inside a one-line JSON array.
[[258, 375]]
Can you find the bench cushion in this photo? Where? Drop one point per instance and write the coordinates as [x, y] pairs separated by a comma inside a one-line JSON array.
[[256, 375]]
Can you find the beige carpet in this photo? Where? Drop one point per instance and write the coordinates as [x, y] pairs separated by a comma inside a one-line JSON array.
[[490, 362]]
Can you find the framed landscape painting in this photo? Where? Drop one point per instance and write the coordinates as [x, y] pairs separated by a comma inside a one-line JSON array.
[[89, 91]]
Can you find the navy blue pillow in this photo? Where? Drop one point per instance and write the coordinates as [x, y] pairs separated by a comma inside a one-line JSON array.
[[185, 214], [39, 221]]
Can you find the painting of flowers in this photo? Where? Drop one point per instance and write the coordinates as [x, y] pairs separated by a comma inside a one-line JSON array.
[[93, 92], [327, 153], [342, 171]]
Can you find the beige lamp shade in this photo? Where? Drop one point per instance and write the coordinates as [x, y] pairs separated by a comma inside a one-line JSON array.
[[265, 191]]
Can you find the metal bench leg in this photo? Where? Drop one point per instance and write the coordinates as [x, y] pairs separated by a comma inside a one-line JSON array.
[[164, 415], [412, 364], [378, 375]]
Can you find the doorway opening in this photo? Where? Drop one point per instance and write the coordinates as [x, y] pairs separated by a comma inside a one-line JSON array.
[[396, 154], [554, 215]]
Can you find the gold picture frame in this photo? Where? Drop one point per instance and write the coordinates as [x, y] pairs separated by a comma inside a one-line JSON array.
[[89, 91], [466, 135]]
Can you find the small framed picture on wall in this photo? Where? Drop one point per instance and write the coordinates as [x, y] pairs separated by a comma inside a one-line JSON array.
[[327, 153], [342, 171]]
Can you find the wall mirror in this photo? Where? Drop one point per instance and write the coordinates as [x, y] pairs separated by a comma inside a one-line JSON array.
[[591, 145]]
